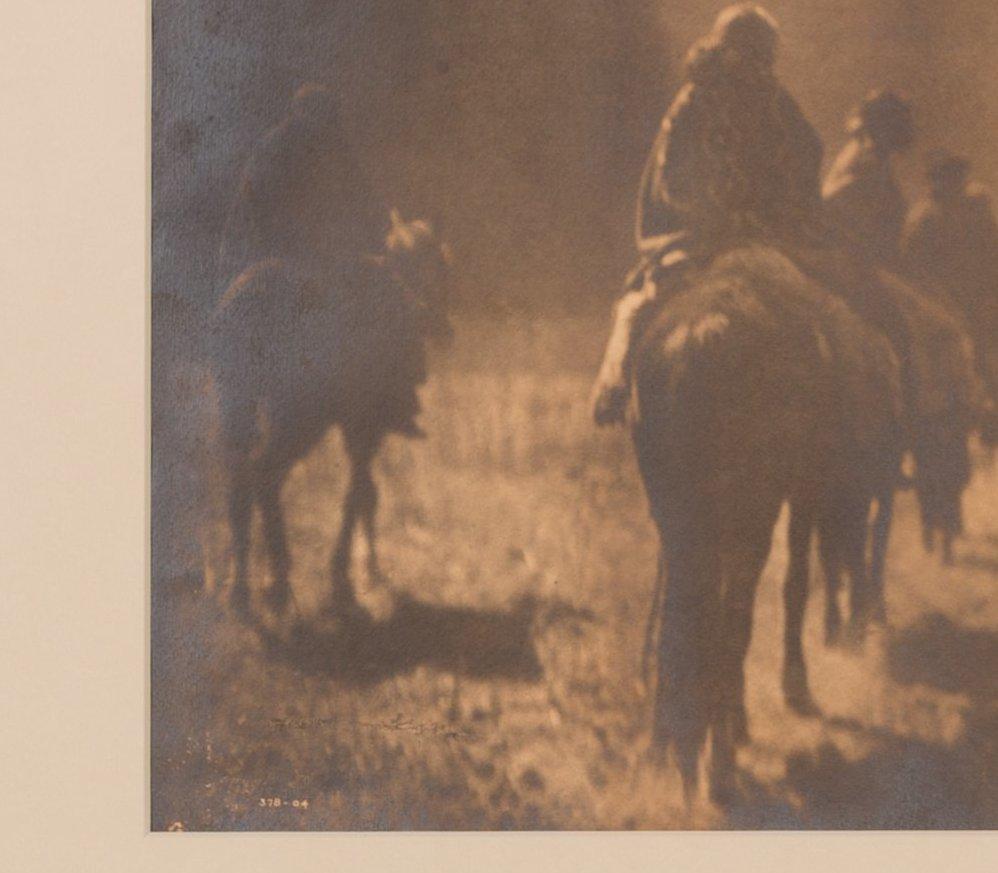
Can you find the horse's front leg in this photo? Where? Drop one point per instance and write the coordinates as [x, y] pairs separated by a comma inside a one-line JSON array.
[[863, 598], [880, 538], [360, 505], [831, 546], [240, 515], [368, 507], [796, 691], [277, 541], [342, 590]]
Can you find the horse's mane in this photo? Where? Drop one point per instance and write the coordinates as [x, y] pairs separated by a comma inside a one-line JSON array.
[[756, 293], [751, 283]]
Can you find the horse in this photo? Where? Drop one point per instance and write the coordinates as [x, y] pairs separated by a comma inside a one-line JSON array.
[[951, 402], [863, 477], [743, 402], [298, 351], [947, 402]]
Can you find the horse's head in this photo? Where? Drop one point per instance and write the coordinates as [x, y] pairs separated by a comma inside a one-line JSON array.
[[421, 263]]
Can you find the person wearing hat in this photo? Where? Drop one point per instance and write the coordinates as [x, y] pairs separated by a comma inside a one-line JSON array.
[[862, 198], [950, 246], [735, 159]]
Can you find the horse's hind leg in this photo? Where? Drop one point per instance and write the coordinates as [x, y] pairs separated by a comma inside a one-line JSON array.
[[796, 691], [947, 550], [729, 727], [363, 457], [277, 542], [880, 537], [862, 597], [240, 515], [830, 547]]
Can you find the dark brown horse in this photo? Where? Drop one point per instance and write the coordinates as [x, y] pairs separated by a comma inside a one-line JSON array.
[[298, 351], [744, 402], [947, 403], [951, 402], [862, 473]]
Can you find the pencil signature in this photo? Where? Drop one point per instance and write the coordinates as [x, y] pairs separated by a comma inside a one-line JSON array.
[[398, 723]]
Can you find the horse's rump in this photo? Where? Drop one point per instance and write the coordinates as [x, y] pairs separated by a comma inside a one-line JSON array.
[[314, 345], [942, 354], [755, 349], [754, 385]]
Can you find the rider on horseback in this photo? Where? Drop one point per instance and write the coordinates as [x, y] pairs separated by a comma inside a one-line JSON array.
[[950, 244], [862, 197], [303, 199], [735, 159]]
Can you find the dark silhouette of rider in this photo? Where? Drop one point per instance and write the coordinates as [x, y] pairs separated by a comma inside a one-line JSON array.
[[862, 199], [303, 199], [735, 159], [950, 245]]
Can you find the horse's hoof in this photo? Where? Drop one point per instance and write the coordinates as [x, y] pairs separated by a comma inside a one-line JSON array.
[[277, 597], [928, 542], [239, 602], [343, 605], [739, 728], [804, 705], [855, 636], [833, 636], [797, 696], [723, 789]]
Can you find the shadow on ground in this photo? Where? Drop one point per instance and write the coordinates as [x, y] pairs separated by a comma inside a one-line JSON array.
[[903, 783], [458, 640]]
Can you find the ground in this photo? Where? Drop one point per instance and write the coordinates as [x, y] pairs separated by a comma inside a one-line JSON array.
[[499, 682]]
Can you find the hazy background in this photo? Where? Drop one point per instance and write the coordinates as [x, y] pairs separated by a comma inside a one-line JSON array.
[[523, 124]]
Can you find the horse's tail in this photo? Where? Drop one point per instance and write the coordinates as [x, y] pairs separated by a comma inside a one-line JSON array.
[[685, 695], [682, 397]]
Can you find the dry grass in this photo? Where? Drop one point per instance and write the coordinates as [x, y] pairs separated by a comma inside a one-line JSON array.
[[506, 692]]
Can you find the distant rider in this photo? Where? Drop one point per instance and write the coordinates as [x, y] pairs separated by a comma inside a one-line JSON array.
[[735, 159], [862, 197], [304, 199]]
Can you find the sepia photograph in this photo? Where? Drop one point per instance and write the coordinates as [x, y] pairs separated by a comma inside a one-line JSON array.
[[573, 415]]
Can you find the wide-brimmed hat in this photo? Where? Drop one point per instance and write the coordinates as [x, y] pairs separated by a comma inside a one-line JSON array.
[[887, 116]]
